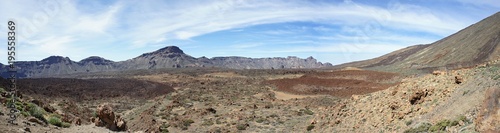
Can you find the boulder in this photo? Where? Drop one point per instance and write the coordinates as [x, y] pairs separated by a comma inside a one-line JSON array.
[[458, 79], [107, 118], [418, 97], [438, 72], [106, 115]]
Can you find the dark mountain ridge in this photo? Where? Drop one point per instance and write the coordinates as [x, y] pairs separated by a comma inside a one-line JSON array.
[[167, 57]]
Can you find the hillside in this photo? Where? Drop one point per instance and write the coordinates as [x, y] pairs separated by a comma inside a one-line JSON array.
[[471, 46]]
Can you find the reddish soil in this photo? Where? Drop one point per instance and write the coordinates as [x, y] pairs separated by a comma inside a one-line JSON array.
[[337, 83], [92, 89]]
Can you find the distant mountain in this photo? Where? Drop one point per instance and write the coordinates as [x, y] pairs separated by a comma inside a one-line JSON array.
[[471, 46], [168, 57]]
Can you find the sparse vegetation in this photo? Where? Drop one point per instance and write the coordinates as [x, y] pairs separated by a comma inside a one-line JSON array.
[[306, 111], [260, 120], [241, 126], [439, 126], [409, 122], [310, 127], [37, 112], [424, 127], [188, 122], [55, 120], [94, 114], [463, 119], [465, 92], [164, 128], [207, 123]]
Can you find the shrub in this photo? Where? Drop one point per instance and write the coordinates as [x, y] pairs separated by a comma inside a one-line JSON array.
[[496, 77], [441, 125], [187, 123], [94, 114], [310, 127], [463, 118], [164, 128], [408, 122], [19, 106], [36, 112], [465, 92], [207, 123], [273, 115], [24, 113], [55, 121], [241, 126], [420, 129], [2, 90], [260, 120], [65, 124], [307, 111]]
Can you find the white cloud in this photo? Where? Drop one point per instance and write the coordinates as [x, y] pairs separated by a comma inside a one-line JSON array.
[[95, 24], [343, 48]]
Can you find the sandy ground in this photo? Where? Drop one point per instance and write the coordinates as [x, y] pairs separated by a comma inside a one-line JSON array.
[[287, 96]]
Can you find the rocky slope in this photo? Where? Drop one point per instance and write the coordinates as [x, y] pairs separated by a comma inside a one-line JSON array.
[[428, 103], [473, 45], [168, 57]]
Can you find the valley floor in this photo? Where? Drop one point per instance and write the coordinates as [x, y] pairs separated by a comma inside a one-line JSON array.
[[296, 101]]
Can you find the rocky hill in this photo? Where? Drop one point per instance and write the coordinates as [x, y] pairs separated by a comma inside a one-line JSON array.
[[168, 57], [469, 47]]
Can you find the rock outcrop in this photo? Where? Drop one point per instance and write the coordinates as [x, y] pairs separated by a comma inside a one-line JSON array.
[[107, 118], [489, 114]]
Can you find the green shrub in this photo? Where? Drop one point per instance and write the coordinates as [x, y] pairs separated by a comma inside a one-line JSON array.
[[55, 121], [94, 114], [24, 113], [164, 128], [310, 127], [441, 125], [408, 122], [19, 106], [207, 123], [273, 115], [420, 129], [463, 118], [260, 120], [36, 112], [307, 111], [2, 90], [65, 125], [187, 123], [241, 127], [496, 77]]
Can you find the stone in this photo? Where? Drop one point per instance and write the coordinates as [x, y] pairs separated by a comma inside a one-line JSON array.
[[107, 118], [35, 120], [438, 73], [458, 79]]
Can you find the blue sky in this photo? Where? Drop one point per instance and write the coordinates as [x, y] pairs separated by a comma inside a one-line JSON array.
[[330, 31]]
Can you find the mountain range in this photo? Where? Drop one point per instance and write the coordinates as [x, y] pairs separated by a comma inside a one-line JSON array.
[[167, 57], [469, 47]]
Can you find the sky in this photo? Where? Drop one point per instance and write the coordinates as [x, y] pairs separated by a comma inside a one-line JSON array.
[[335, 31]]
